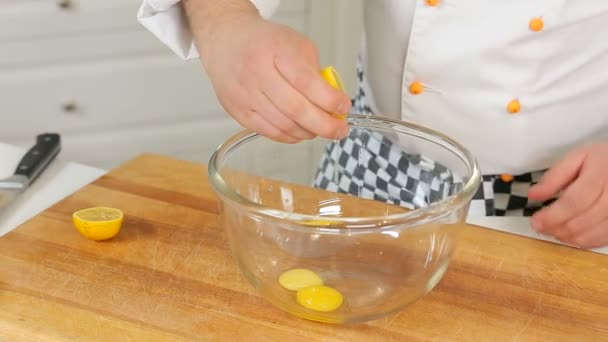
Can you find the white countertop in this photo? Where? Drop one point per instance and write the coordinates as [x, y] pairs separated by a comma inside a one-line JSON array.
[[62, 178], [519, 226], [59, 180]]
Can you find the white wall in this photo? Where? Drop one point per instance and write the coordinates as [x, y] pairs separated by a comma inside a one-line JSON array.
[[336, 26], [113, 91]]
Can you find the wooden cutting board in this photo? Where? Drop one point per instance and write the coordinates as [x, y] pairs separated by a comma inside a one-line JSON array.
[[169, 276]]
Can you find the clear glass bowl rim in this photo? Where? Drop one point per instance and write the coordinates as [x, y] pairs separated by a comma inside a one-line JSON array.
[[418, 216]]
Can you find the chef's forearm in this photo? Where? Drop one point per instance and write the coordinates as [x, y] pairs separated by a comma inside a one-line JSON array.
[[204, 14]]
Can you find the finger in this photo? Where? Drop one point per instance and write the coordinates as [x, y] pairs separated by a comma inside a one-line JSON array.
[[558, 177], [585, 221], [307, 79], [251, 119], [592, 238], [578, 197], [298, 108], [282, 122], [259, 124]]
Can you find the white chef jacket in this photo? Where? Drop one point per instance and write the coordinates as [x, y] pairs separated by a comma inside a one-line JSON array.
[[519, 83]]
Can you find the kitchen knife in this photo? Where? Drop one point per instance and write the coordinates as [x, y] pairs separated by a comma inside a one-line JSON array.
[[30, 167]]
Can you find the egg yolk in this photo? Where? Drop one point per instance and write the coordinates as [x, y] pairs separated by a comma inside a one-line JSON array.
[[299, 278], [320, 298]]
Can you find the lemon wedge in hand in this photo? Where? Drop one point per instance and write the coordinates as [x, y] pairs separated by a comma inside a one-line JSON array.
[[98, 223], [330, 74]]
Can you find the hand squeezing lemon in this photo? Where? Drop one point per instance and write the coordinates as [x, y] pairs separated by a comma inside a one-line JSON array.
[[330, 74], [98, 223]]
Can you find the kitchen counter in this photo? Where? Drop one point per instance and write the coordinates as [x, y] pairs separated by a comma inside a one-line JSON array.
[[169, 276]]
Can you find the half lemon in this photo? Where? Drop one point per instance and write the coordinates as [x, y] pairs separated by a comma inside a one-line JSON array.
[[98, 223]]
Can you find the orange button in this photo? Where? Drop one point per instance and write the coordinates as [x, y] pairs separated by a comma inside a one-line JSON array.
[[514, 106], [507, 178], [537, 24], [416, 88], [432, 2]]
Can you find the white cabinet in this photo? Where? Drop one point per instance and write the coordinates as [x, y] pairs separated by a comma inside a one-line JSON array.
[[88, 70]]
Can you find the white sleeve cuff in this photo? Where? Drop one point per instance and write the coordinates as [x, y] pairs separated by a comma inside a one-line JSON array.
[[167, 21]]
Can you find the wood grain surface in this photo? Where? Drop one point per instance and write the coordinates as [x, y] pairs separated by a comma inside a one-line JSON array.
[[169, 276]]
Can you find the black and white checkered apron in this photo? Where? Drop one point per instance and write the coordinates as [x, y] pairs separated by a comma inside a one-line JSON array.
[[370, 165]]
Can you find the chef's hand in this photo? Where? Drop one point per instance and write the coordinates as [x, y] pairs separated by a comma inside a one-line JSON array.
[[580, 215], [266, 75]]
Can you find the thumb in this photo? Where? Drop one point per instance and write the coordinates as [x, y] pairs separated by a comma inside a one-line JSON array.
[[559, 176]]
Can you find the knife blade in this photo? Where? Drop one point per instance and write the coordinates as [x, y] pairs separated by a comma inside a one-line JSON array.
[[35, 160]]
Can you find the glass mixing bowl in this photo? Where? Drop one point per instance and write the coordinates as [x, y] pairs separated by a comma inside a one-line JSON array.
[[376, 216]]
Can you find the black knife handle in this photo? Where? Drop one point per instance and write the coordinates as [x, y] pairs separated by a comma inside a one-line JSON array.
[[39, 156]]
